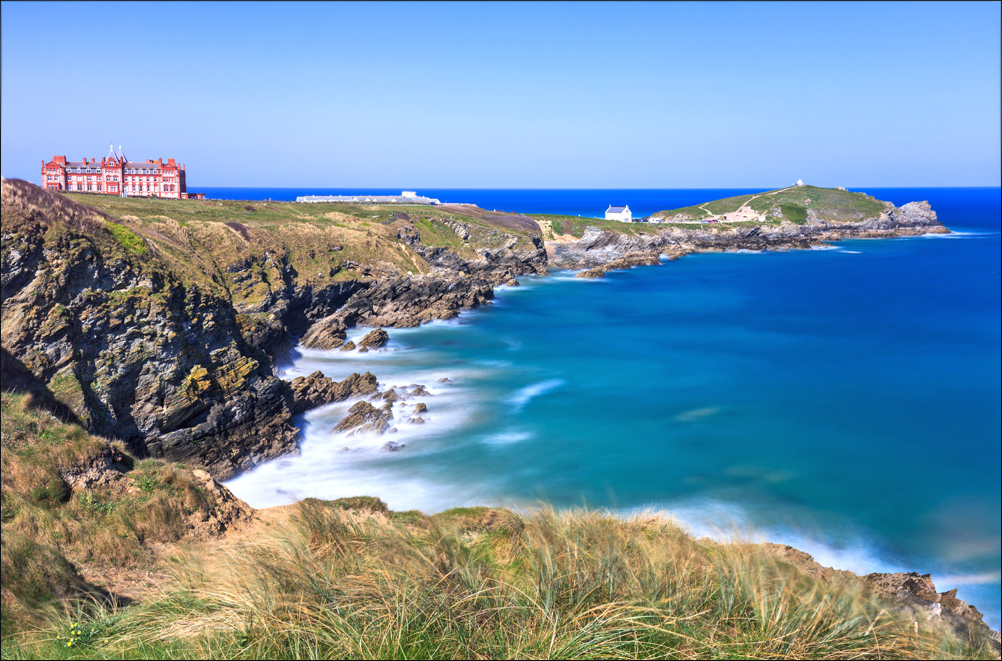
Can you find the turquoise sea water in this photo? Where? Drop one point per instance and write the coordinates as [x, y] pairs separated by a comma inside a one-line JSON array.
[[846, 401]]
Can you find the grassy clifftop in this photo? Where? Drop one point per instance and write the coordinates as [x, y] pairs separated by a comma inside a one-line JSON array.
[[352, 579], [797, 205], [199, 240], [790, 204]]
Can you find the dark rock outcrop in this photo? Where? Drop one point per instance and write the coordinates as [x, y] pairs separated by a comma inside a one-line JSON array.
[[648, 258], [316, 389], [374, 339], [403, 303], [363, 418], [328, 333]]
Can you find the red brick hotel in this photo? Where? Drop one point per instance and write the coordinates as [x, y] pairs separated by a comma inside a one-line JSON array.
[[117, 175]]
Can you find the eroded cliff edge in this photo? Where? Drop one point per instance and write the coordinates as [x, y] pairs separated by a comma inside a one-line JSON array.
[[163, 333]]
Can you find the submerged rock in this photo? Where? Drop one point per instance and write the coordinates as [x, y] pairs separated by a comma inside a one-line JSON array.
[[348, 346], [420, 407], [390, 446]]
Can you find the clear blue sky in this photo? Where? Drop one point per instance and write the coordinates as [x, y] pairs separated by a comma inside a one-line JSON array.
[[511, 96]]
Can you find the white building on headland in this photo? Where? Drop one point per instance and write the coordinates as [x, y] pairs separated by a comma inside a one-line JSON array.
[[405, 197], [800, 182], [619, 213]]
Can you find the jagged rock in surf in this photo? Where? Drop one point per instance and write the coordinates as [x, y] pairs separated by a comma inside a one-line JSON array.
[[374, 339], [363, 418], [316, 389], [328, 333]]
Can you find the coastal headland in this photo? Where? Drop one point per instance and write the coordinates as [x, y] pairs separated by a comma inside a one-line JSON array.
[[139, 341]]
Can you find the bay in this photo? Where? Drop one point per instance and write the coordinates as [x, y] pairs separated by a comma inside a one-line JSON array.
[[845, 401]]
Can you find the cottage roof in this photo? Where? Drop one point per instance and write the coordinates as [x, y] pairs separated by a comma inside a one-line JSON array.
[[616, 209]]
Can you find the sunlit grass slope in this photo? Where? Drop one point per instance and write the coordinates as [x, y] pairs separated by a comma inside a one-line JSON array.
[[791, 204], [350, 579]]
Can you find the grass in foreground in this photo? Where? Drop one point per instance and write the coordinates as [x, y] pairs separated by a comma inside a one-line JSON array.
[[479, 583]]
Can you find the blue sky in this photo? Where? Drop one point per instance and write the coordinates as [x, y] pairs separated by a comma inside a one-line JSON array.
[[511, 95]]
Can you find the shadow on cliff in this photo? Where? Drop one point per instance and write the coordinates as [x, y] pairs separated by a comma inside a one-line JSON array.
[[15, 377]]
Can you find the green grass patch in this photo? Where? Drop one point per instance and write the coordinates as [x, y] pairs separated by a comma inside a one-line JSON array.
[[127, 238], [828, 204], [794, 213]]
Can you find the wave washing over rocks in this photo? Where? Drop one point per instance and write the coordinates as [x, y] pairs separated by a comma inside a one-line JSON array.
[[348, 441]]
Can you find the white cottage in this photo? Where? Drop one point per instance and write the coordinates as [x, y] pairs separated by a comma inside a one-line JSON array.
[[619, 213]]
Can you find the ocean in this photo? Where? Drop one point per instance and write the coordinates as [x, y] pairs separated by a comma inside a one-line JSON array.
[[845, 401]]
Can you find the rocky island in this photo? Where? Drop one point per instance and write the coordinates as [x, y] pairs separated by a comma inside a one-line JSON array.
[[140, 336]]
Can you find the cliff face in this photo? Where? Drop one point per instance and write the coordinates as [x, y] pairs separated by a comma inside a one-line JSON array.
[[133, 353], [106, 318], [597, 248]]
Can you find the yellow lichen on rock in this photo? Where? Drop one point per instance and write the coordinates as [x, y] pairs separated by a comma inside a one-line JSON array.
[[232, 377]]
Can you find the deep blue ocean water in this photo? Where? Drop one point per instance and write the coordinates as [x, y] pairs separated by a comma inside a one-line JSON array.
[[846, 401]]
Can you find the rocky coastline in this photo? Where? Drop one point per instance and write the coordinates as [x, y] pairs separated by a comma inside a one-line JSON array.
[[186, 373], [117, 342], [599, 249]]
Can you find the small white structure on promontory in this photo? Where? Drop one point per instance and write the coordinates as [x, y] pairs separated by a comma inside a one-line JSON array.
[[619, 213], [800, 182]]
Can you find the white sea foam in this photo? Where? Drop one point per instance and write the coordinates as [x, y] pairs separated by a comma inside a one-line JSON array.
[[955, 235], [696, 414], [825, 247], [523, 395], [508, 437], [324, 469]]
